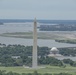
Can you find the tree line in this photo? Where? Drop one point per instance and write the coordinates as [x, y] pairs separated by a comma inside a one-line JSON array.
[[24, 54], [19, 55], [71, 41], [70, 51]]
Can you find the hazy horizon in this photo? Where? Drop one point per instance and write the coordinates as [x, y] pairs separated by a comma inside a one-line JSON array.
[[41, 9]]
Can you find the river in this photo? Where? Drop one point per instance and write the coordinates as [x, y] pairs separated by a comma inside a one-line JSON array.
[[25, 27]]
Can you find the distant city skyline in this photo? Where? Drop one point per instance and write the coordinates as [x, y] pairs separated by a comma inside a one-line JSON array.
[[41, 9]]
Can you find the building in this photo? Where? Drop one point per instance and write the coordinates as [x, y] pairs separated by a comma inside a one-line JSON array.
[[54, 52], [15, 57]]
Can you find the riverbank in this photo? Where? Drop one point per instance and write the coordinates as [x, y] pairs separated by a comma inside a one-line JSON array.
[[71, 41]]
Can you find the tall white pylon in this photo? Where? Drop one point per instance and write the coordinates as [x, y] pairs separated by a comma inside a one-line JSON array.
[[34, 54]]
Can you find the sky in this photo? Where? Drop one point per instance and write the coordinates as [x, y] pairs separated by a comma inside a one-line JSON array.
[[41, 9]]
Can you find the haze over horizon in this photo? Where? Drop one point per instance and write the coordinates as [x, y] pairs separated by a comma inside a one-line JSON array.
[[41, 9]]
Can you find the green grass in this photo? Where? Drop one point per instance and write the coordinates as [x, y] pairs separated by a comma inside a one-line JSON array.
[[48, 69], [41, 35]]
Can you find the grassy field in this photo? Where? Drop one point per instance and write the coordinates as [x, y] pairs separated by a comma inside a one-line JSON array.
[[48, 69], [42, 35]]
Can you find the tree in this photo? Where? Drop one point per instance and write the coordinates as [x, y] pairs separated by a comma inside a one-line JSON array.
[[35, 73]]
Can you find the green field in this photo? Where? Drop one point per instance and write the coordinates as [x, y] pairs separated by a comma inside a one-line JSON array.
[[48, 69], [42, 35]]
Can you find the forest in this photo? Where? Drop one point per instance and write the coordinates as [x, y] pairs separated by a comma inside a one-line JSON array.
[[19, 55]]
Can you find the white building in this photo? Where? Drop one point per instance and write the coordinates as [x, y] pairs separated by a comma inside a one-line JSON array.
[[54, 52]]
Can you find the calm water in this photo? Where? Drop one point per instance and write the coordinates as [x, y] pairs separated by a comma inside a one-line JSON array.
[[16, 27], [40, 21], [66, 57], [26, 27], [29, 42]]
